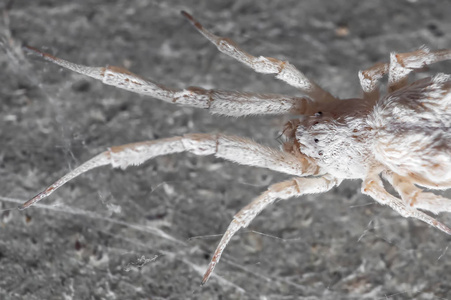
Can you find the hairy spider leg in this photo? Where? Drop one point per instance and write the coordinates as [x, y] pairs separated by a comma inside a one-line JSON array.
[[282, 190], [236, 149], [400, 66], [266, 65], [373, 187], [416, 197], [227, 103]]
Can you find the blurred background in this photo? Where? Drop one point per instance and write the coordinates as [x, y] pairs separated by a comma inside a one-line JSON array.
[[148, 232]]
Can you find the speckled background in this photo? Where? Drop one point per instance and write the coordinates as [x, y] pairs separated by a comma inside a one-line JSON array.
[[148, 232]]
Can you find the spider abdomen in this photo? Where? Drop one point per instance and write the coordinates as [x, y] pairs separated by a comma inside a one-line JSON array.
[[413, 130]]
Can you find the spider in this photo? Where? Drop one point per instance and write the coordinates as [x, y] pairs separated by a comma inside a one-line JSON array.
[[403, 136]]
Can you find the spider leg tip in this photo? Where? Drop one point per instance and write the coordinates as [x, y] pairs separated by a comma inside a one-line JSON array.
[[205, 279], [187, 15], [32, 201], [35, 51], [32, 50], [24, 206], [191, 19], [209, 271]]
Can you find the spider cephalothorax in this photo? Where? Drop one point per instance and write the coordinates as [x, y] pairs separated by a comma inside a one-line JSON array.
[[403, 136], [338, 139]]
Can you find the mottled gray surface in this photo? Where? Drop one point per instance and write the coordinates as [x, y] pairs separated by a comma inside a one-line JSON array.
[[144, 233]]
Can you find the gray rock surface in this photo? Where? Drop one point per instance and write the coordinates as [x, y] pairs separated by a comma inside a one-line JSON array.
[[148, 232]]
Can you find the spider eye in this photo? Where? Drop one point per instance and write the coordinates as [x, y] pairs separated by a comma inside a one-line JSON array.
[[318, 114], [316, 140], [320, 152]]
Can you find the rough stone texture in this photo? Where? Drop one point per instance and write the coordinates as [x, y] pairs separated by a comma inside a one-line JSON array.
[[148, 232]]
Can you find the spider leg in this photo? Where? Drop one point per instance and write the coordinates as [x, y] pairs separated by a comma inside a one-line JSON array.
[[282, 190], [217, 102], [416, 197], [372, 186], [400, 66], [236, 149], [266, 65], [424, 182], [369, 80]]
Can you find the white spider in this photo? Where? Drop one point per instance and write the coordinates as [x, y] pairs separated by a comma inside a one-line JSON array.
[[404, 136]]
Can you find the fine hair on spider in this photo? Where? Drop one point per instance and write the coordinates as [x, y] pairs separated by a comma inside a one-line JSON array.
[[402, 136]]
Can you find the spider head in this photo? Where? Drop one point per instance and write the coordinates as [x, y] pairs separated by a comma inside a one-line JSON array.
[[337, 139], [317, 136]]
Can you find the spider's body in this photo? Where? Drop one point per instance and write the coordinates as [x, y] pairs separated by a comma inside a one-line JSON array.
[[406, 132], [403, 136]]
